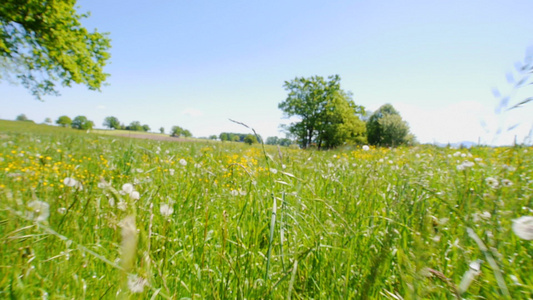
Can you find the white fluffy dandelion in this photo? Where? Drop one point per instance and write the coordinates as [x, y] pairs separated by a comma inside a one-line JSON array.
[[274, 171], [523, 227], [127, 188], [507, 183], [135, 195], [183, 162], [166, 210], [69, 181], [38, 210], [366, 148], [136, 284]]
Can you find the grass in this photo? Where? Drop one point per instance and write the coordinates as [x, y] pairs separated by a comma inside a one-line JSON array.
[[225, 220]]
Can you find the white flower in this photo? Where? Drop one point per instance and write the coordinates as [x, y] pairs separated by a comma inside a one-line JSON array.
[[39, 210], [366, 148], [507, 182], [171, 171], [166, 210], [127, 188], [274, 171], [136, 284], [523, 227], [234, 192], [135, 195], [70, 181], [183, 162], [492, 182]]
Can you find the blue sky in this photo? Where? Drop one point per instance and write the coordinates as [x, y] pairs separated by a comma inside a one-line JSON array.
[[197, 64]]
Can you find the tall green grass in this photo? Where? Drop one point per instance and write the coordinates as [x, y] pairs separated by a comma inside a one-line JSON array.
[[377, 224]]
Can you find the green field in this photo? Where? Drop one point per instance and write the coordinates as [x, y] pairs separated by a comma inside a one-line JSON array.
[[210, 220]]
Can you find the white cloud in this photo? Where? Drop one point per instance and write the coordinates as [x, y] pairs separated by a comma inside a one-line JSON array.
[[192, 112]]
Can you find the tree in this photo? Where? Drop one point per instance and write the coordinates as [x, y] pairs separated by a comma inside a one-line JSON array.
[[81, 122], [44, 42], [48, 121], [386, 128], [22, 117], [178, 131], [328, 115], [162, 129], [272, 140], [111, 122], [64, 121], [250, 139], [146, 127], [213, 137], [135, 126]]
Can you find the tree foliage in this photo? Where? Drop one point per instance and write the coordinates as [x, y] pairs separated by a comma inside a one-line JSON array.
[[22, 117], [180, 132], [274, 140], [328, 115], [81, 122], [112, 122], [64, 121], [385, 127], [250, 139], [43, 43]]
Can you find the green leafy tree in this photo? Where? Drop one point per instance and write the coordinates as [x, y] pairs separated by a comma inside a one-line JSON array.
[[48, 121], [135, 126], [42, 43], [385, 127], [111, 122], [328, 116], [146, 127], [180, 132], [272, 140], [250, 139], [22, 117], [81, 122], [64, 121], [162, 129], [213, 137]]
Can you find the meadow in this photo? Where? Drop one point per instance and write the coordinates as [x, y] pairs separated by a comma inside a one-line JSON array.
[[85, 215]]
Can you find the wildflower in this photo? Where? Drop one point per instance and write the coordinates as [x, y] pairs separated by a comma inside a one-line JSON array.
[[507, 183], [166, 210], [183, 162], [136, 284], [492, 182], [171, 171], [38, 210], [234, 192], [127, 188], [366, 148], [70, 181], [274, 171], [523, 227]]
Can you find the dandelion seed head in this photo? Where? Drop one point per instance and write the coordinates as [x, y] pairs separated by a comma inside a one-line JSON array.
[[523, 227], [274, 171], [183, 162], [135, 195], [366, 148], [136, 284], [38, 210], [127, 188], [70, 181], [166, 210]]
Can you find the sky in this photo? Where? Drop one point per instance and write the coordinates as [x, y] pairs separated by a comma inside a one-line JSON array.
[[197, 64]]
